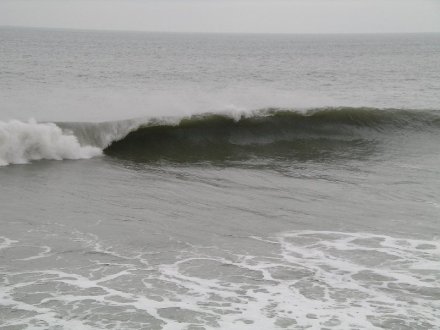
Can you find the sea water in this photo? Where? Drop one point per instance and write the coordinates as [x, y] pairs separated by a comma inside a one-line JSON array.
[[192, 181]]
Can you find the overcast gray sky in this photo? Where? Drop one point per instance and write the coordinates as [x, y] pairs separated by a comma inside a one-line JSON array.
[[272, 16]]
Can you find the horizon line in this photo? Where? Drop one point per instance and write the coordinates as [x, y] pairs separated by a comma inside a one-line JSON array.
[[214, 32]]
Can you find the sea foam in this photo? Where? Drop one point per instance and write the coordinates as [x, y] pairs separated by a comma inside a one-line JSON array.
[[22, 142]]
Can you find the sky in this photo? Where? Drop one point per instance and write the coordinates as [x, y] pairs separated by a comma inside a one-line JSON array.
[[224, 16]]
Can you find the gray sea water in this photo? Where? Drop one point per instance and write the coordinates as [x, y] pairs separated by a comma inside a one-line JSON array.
[[191, 181]]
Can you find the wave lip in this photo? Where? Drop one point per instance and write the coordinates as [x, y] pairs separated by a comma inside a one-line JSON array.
[[22, 142]]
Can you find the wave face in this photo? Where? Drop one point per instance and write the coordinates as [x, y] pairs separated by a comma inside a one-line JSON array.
[[22, 142], [271, 132]]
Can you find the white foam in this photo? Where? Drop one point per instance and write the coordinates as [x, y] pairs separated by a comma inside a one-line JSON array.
[[6, 242], [22, 142], [303, 279]]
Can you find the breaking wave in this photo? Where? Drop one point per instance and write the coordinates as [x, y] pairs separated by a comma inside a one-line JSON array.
[[22, 142], [269, 132]]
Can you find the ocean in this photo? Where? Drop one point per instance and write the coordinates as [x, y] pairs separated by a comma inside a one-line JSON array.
[[215, 181]]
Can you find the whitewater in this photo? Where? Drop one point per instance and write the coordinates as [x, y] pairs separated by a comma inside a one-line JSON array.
[[189, 181], [24, 142]]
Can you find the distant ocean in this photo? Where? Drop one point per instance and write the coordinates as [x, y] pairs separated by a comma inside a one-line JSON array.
[[203, 181]]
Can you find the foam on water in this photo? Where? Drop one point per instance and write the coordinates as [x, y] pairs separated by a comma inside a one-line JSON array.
[[22, 142], [6, 242], [294, 280]]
